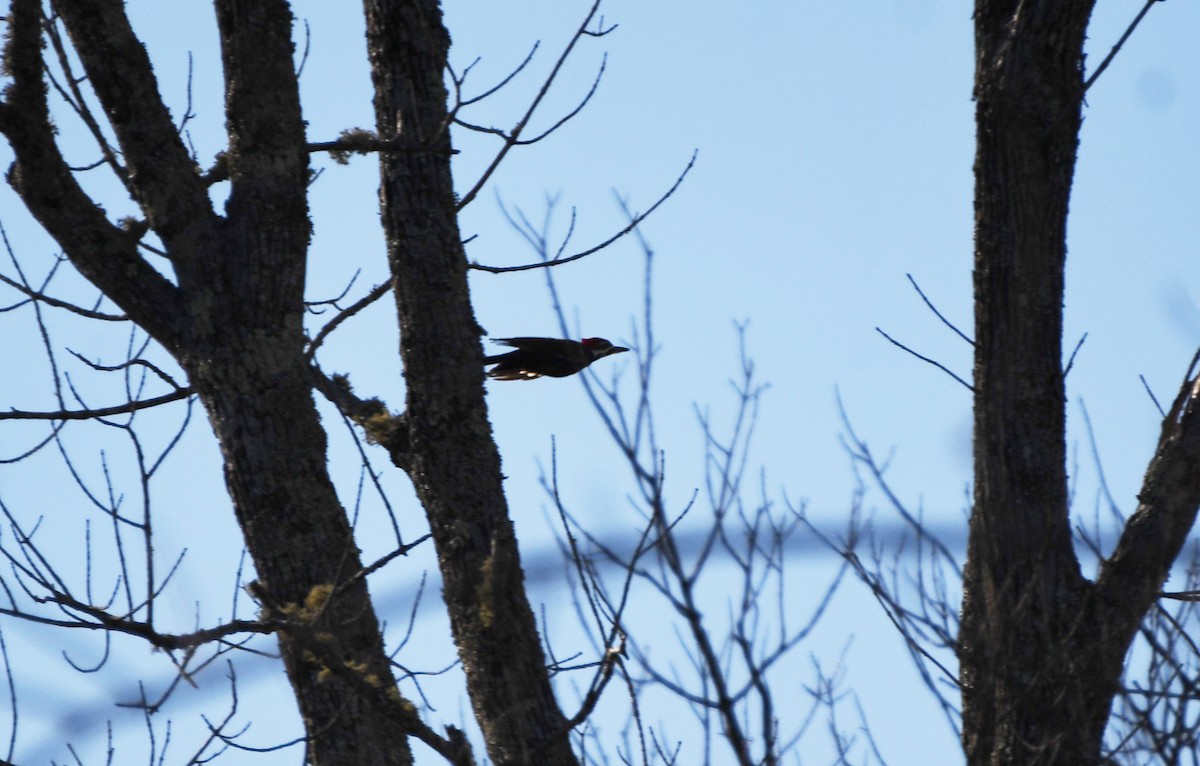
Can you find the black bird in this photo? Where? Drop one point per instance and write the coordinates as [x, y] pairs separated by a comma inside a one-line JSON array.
[[535, 357]]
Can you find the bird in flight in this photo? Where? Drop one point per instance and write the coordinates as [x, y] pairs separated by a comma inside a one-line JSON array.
[[555, 357]]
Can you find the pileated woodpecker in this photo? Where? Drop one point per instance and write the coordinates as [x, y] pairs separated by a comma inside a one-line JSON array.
[[535, 357]]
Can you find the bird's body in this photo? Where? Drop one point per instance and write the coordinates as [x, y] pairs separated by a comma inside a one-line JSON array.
[[555, 357]]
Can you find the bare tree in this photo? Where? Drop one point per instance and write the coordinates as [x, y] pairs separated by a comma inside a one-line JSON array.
[[225, 300], [217, 301], [721, 559], [1042, 649]]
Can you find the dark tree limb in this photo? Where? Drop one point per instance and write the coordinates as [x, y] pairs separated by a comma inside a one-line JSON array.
[[103, 253], [233, 321], [99, 412], [1131, 578], [1025, 664], [513, 136], [924, 358], [73, 95], [372, 415], [634, 220], [1112, 54], [167, 182], [1041, 648], [99, 619], [454, 460], [35, 295], [375, 294]]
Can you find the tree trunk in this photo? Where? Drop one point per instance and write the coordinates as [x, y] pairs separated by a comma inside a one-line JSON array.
[[1032, 690], [454, 463], [260, 403], [1041, 648], [233, 322]]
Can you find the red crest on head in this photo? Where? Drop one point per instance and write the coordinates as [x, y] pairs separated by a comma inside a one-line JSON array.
[[593, 342]]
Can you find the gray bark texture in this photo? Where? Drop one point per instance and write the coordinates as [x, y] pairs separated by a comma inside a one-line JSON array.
[[1041, 647], [232, 319], [452, 457]]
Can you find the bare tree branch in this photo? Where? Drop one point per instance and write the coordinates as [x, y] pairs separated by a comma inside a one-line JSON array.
[[168, 183], [1112, 54], [924, 358], [938, 314], [1168, 504], [105, 254], [99, 412], [512, 137], [634, 221], [375, 294]]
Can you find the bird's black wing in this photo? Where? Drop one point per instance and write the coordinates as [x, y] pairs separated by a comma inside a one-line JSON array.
[[535, 344]]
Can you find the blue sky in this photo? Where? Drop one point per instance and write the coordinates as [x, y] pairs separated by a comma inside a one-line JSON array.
[[835, 144]]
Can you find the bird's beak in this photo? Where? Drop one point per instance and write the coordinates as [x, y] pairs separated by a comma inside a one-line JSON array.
[[617, 349]]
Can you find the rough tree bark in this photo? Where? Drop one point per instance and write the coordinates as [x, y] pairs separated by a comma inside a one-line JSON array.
[[1041, 647], [452, 457], [232, 319], [231, 314]]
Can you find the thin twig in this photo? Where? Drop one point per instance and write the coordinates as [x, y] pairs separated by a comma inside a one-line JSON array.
[[37, 296], [1113, 53], [937, 313], [1071, 361], [923, 358], [1153, 398], [100, 412], [512, 138], [634, 220], [376, 293]]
